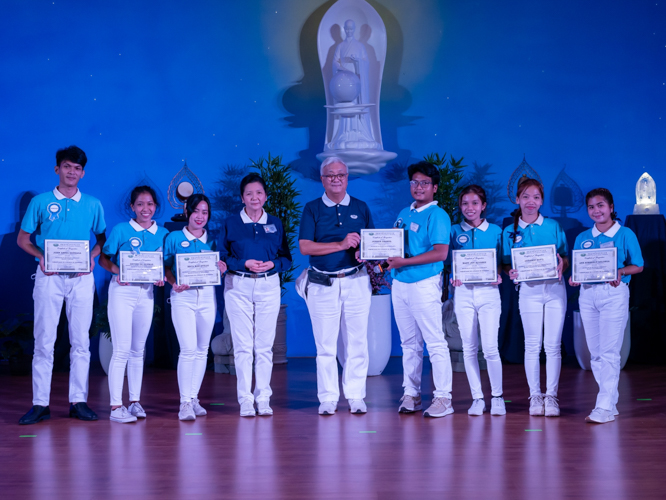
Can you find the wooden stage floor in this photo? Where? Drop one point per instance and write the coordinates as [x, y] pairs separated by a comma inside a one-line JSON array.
[[298, 454]]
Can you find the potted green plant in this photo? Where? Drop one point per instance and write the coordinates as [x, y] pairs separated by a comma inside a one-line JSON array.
[[17, 336]]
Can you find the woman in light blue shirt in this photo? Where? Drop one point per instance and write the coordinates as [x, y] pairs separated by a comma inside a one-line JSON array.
[[542, 303], [604, 306]]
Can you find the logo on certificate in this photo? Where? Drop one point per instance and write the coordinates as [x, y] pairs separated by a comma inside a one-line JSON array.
[[185, 244], [587, 244], [54, 209], [462, 239]]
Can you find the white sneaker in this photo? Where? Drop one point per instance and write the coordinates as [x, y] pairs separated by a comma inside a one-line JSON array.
[[410, 404], [536, 405], [199, 410], [357, 406], [440, 407], [264, 409], [247, 408], [600, 416], [477, 408], [497, 406], [552, 407], [137, 410], [122, 415], [186, 412], [328, 408]]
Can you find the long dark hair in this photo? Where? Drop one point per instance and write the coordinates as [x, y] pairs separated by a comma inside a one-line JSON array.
[[605, 194], [193, 202], [522, 186]]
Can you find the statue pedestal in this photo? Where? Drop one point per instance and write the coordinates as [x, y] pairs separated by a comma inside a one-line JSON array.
[[652, 209], [361, 161]]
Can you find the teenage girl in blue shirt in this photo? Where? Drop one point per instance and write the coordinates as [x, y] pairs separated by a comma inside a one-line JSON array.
[[543, 303], [604, 307]]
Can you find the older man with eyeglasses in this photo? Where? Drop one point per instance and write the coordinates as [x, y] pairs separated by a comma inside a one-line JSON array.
[[338, 288]]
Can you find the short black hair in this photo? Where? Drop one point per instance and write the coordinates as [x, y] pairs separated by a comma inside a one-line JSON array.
[[73, 154], [425, 168], [249, 179], [143, 189], [193, 202]]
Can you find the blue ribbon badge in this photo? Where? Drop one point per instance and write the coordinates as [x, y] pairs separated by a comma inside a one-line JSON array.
[[135, 243], [54, 209]]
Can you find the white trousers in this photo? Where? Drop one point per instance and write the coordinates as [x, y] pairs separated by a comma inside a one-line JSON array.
[[48, 294], [478, 307], [604, 311], [346, 301], [193, 315], [252, 306], [130, 314], [417, 308], [543, 305]]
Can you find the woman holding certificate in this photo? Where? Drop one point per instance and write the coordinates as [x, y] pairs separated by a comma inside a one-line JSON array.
[[187, 255], [255, 249], [130, 308], [477, 296], [604, 303], [535, 255]]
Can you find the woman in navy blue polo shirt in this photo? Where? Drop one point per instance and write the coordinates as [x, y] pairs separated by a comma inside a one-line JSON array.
[[255, 249]]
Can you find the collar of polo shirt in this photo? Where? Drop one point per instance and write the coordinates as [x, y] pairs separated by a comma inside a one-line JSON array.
[[483, 226], [138, 227], [524, 224], [60, 196], [610, 233], [421, 209], [191, 237], [246, 218], [329, 203]]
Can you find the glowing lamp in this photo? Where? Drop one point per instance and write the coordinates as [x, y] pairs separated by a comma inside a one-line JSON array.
[[646, 196]]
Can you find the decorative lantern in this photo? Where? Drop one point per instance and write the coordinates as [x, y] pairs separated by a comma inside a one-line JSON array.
[[182, 186], [646, 196], [522, 171], [566, 196]]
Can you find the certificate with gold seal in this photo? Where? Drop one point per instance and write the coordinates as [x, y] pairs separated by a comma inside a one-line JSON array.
[[380, 244], [594, 265], [535, 263], [67, 256], [475, 266], [143, 267], [198, 269]]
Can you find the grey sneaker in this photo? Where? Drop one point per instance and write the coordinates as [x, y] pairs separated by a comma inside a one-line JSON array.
[[264, 409], [328, 408], [137, 410], [600, 416], [247, 409], [552, 407], [497, 406], [536, 405], [440, 407], [410, 404], [477, 408], [199, 411], [186, 412], [122, 415], [357, 406]]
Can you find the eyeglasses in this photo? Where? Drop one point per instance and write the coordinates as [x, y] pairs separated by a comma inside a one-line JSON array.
[[333, 177], [423, 184]]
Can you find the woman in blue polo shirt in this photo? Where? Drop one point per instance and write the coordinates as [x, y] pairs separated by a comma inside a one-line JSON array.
[[604, 307], [255, 250], [193, 308], [543, 303], [130, 308], [479, 302]]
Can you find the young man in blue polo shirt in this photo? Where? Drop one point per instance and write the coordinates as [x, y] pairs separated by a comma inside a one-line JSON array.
[[62, 214], [338, 288], [417, 292]]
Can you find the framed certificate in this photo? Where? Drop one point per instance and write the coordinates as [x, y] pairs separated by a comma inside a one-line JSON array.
[[535, 263], [197, 269], [67, 256], [380, 244], [144, 267], [595, 265], [475, 266]]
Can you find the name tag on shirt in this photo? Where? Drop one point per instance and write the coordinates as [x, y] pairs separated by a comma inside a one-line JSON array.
[[270, 228], [608, 244], [414, 227]]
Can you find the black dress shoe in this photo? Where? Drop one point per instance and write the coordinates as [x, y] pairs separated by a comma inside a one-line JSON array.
[[82, 412], [36, 414]]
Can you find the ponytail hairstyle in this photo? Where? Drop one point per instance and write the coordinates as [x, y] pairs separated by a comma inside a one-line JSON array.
[[523, 184], [605, 194], [472, 189]]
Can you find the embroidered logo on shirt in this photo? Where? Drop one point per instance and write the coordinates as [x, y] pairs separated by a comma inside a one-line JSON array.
[[587, 244], [462, 239], [414, 227], [185, 244], [354, 216], [54, 209], [270, 228]]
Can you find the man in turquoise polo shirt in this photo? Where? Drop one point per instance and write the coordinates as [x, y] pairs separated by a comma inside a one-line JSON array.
[[417, 292], [62, 214]]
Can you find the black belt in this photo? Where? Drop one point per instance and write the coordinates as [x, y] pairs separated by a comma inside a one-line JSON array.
[[254, 276]]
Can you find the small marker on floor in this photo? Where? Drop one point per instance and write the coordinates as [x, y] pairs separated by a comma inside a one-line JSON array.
[[367, 432], [533, 430], [648, 399], [217, 404], [507, 400], [193, 434], [28, 436]]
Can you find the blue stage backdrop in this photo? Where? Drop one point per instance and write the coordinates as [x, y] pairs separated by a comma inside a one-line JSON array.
[[143, 85]]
